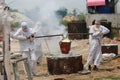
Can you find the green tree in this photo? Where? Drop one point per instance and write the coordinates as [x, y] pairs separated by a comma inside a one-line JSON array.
[[82, 17], [74, 12], [62, 12]]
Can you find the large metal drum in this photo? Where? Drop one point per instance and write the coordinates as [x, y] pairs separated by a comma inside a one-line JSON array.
[[64, 64], [59, 79], [110, 48]]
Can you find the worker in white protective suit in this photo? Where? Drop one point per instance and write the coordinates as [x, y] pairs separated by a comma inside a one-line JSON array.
[[38, 42], [95, 55], [27, 46]]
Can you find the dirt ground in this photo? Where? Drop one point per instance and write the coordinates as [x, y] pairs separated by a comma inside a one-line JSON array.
[[109, 70]]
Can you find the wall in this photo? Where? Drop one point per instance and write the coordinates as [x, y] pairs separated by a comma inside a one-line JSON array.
[[114, 18], [117, 8]]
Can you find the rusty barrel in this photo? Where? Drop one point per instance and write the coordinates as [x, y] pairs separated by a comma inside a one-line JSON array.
[[65, 47]]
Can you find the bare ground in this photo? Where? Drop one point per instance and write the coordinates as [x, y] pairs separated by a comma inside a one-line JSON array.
[[109, 70]]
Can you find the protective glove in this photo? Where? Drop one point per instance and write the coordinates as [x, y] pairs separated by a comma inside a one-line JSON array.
[[28, 37], [32, 36]]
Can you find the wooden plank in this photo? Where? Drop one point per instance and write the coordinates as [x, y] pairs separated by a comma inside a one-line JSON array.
[[18, 60], [6, 31]]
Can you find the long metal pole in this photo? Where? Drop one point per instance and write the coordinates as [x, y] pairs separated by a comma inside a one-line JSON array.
[[81, 33], [49, 36]]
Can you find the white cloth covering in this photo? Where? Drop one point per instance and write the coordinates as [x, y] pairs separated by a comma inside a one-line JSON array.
[[27, 45], [108, 56], [38, 41]]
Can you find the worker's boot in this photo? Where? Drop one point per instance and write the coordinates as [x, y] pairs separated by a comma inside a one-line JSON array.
[[34, 68], [95, 68], [89, 67]]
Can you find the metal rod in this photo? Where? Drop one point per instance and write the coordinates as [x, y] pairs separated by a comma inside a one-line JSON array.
[[81, 33], [49, 36], [18, 60]]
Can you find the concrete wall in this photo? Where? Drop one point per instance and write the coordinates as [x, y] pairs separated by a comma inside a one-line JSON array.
[[114, 18], [117, 7]]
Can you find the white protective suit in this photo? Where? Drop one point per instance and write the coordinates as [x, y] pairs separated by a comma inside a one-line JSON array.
[[38, 42], [27, 45], [95, 44]]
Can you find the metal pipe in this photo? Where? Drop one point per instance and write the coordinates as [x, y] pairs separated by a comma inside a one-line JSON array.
[[82, 33], [49, 36]]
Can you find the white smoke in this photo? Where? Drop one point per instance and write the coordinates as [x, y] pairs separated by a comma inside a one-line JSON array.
[[49, 25], [45, 14], [30, 4], [48, 17]]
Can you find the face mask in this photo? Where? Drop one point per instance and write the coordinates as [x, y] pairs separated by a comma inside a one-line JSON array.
[[24, 28]]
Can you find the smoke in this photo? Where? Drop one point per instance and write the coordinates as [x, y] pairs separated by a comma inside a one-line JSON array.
[[48, 17], [43, 11], [48, 24], [21, 5]]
